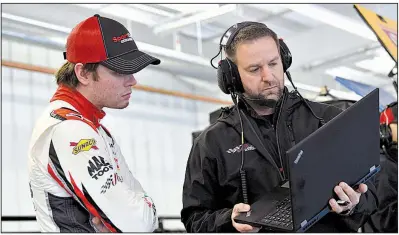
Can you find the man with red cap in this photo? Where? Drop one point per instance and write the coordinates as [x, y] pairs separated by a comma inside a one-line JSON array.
[[385, 219], [79, 179]]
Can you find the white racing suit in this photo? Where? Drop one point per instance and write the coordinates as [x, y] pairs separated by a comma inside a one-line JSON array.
[[77, 171]]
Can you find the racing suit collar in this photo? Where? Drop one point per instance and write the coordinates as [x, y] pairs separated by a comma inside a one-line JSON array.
[[80, 103]]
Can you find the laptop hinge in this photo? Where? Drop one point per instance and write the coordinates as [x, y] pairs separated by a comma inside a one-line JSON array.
[[372, 168], [304, 223]]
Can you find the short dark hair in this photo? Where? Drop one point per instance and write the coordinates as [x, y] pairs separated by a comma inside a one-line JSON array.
[[250, 33], [66, 74]]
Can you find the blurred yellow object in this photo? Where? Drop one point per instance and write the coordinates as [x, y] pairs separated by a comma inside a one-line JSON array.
[[324, 91], [385, 29]]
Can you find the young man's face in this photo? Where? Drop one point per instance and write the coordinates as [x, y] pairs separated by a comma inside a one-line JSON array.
[[112, 90], [260, 68], [394, 131]]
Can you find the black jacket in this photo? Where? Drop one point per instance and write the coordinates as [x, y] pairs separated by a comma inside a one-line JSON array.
[[212, 183], [385, 219]]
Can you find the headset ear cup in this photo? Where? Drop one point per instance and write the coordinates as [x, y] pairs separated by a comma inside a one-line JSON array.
[[286, 57], [224, 82], [385, 136], [237, 83]]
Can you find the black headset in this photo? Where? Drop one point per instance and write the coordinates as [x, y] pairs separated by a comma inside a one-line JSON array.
[[229, 82], [385, 136], [229, 79]]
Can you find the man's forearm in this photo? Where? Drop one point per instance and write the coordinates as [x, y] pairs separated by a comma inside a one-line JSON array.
[[210, 221]]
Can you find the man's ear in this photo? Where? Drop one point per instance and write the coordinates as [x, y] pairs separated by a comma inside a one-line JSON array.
[[81, 74], [394, 131]]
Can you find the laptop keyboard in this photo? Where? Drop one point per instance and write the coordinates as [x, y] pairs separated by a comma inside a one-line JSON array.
[[281, 216]]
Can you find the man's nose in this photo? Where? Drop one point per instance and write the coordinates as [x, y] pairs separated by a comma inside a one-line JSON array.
[[131, 80], [266, 74]]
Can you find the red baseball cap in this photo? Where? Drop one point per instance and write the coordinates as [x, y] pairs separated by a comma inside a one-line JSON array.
[[106, 41], [390, 114]]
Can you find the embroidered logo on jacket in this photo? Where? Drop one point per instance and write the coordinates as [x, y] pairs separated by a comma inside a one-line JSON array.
[[117, 163], [238, 149], [148, 200], [112, 146], [98, 166], [83, 145], [111, 180], [55, 115]]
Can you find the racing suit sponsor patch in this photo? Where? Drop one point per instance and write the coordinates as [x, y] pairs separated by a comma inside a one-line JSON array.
[[98, 166], [111, 181], [83, 145], [150, 203]]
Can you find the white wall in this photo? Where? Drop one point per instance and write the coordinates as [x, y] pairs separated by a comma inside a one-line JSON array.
[[154, 132]]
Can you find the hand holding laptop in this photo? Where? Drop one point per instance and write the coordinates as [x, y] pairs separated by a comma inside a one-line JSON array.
[[348, 196], [242, 228]]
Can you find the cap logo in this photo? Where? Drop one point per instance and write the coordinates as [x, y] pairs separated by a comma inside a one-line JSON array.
[[123, 38]]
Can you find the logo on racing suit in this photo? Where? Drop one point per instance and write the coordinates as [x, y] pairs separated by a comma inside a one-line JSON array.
[[111, 180], [111, 145], [55, 115], [239, 148], [98, 166], [31, 195], [83, 145], [117, 164], [150, 203]]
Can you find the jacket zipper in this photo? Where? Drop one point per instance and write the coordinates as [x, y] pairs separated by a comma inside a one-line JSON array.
[[271, 160], [291, 131], [282, 172]]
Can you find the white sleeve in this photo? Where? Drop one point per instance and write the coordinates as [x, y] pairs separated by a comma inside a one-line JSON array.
[[81, 163]]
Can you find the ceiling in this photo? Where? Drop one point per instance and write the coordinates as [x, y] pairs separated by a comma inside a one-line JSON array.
[[326, 40]]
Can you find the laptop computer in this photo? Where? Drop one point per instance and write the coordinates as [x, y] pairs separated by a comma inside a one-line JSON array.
[[346, 149]]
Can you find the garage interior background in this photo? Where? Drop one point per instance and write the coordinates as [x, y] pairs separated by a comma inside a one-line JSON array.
[[155, 131]]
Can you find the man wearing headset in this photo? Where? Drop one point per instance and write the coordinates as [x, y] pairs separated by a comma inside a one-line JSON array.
[[273, 120], [385, 219]]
